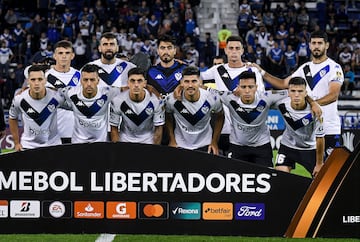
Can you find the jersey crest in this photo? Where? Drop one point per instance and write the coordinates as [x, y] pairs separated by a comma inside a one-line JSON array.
[[137, 118], [93, 109], [110, 78], [298, 123], [248, 114], [39, 117], [192, 118]]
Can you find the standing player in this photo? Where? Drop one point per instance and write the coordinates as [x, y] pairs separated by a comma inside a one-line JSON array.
[[62, 75], [112, 70], [136, 114], [250, 136], [324, 78], [226, 78], [37, 107], [166, 75], [192, 115], [303, 138], [90, 104]]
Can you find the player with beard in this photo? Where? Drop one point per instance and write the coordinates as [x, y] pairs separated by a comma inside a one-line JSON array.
[[112, 70], [188, 119], [166, 75], [324, 79]]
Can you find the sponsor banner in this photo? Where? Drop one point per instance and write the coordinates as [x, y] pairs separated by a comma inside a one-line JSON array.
[[250, 211], [121, 210], [4, 209], [217, 211], [57, 209], [85, 188], [89, 209], [153, 210], [275, 120], [24, 209], [186, 211]]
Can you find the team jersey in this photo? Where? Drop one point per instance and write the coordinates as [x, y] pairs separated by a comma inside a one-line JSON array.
[[137, 120], [248, 121], [91, 114], [165, 80], [192, 119], [301, 127], [226, 79], [39, 118], [56, 79], [115, 74], [320, 76]]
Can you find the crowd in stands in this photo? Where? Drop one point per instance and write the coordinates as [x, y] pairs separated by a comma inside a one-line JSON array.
[[274, 38]]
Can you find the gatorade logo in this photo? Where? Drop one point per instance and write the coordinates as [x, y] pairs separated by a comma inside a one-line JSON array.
[[154, 210], [121, 210], [217, 211]]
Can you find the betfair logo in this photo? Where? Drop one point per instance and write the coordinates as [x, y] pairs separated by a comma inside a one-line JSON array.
[[217, 211], [153, 210]]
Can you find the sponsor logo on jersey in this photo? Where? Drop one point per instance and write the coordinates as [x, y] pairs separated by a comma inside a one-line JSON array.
[[217, 211], [249, 211], [186, 211], [24, 209], [4, 209], [121, 210], [158, 77], [89, 209], [153, 210]]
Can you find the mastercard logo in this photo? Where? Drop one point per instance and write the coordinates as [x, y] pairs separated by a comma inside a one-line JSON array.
[[153, 210]]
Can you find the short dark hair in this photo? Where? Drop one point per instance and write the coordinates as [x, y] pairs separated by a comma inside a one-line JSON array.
[[90, 68], [235, 38], [137, 71], [42, 68], [190, 70], [297, 81], [247, 75], [108, 35], [319, 34], [166, 38], [63, 44]]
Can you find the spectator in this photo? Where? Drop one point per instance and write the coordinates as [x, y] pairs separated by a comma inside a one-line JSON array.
[[79, 46], [208, 52], [349, 81], [6, 55], [276, 58], [243, 23], [244, 6], [332, 29], [291, 60], [153, 25], [303, 51], [84, 28], [345, 56], [11, 18], [355, 60], [281, 33], [223, 34]]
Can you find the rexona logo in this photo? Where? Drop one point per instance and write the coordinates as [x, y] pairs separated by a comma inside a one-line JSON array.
[[217, 211], [89, 209], [57, 209], [249, 211], [185, 210], [24, 209], [121, 210], [153, 210], [4, 209]]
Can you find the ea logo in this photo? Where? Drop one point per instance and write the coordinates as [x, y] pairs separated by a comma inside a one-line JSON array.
[[153, 210]]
